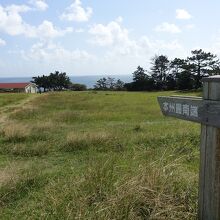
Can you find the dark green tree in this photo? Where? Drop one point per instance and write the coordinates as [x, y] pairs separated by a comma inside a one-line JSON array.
[[170, 83], [42, 82], [77, 87], [184, 80], [140, 81], [110, 83], [139, 75], [182, 71], [202, 64], [160, 70], [119, 85], [59, 81], [176, 66], [101, 84], [55, 81]]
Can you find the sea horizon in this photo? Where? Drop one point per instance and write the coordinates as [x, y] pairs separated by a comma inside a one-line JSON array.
[[88, 80]]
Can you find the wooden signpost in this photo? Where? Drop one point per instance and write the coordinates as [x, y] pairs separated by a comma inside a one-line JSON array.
[[206, 111]]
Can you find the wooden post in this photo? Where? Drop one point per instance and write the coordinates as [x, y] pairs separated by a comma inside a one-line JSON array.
[[209, 185]]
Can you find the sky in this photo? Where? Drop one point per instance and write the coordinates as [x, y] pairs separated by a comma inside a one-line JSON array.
[[94, 37]]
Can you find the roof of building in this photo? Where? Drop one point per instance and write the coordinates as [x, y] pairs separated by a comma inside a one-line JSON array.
[[14, 85]]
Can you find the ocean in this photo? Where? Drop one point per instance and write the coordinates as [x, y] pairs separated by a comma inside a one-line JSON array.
[[89, 81]]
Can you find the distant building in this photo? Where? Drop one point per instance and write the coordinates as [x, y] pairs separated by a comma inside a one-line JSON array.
[[18, 87]]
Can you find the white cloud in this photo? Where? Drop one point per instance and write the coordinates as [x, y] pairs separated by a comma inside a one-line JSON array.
[[39, 4], [172, 45], [124, 58], [80, 30], [116, 37], [11, 22], [119, 19], [183, 14], [123, 49], [110, 34], [51, 53], [75, 12], [167, 27], [47, 30], [15, 9], [190, 26], [46, 56], [2, 42]]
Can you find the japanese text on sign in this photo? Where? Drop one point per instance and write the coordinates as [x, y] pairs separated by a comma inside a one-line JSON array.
[[181, 109]]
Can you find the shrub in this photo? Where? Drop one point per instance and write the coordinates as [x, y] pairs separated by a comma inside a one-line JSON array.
[[77, 87]]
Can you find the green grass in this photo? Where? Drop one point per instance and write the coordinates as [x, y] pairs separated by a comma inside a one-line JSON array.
[[89, 155], [11, 98]]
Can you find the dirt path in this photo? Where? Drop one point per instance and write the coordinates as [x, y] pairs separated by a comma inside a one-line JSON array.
[[5, 111], [9, 170]]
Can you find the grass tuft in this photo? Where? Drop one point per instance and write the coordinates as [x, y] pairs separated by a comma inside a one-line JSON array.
[[15, 190], [38, 149], [16, 131], [106, 190], [100, 141], [137, 128]]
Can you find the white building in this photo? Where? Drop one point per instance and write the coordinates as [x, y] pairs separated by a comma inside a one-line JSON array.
[[19, 87]]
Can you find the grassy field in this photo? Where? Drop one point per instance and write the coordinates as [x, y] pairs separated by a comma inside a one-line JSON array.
[[95, 155]]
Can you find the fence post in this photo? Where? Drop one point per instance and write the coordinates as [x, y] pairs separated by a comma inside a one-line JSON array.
[[209, 185]]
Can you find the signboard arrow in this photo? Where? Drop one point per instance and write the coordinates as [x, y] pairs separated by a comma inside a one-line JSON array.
[[191, 109], [206, 111]]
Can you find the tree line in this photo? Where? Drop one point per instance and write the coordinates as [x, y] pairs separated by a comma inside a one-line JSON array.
[[165, 74], [57, 81], [108, 83]]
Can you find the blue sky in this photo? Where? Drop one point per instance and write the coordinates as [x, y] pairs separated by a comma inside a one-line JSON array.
[[93, 37]]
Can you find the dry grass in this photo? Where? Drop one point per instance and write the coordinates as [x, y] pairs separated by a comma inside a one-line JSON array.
[[39, 149], [15, 131], [19, 185], [93, 140], [45, 126], [151, 195], [148, 192], [8, 174], [68, 116]]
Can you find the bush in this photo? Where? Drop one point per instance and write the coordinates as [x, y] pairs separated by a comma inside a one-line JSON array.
[[77, 87]]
